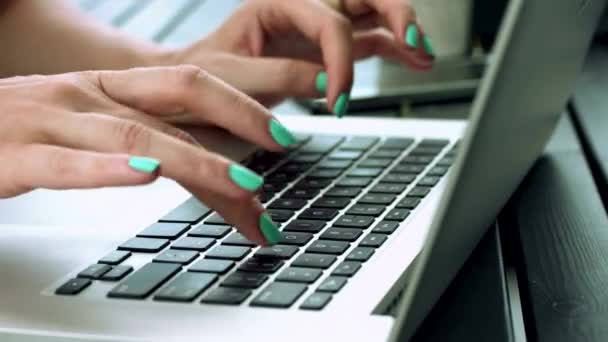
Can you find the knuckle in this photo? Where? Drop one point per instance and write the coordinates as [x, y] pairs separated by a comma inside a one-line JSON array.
[[133, 136], [63, 88], [337, 22], [180, 134], [188, 75]]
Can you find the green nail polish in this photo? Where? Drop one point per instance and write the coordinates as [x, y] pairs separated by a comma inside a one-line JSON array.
[[281, 134], [341, 105], [428, 46], [144, 164], [269, 229], [244, 177], [411, 36], [321, 82]]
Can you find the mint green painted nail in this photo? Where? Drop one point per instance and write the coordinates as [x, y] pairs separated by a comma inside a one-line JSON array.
[[244, 177], [269, 229], [428, 46], [341, 105], [321, 82], [144, 164], [281, 134], [411, 36]]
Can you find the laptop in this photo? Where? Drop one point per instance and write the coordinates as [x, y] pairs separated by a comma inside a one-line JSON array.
[[377, 215]]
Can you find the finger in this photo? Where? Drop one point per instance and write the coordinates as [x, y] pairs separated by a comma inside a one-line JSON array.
[[157, 125], [380, 42], [29, 167]]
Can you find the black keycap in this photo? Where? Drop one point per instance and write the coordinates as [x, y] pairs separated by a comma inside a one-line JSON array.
[[335, 164], [280, 215], [354, 181], [191, 211], [237, 239], [376, 163], [332, 284], [115, 257], [244, 280], [360, 254], [316, 301], [309, 226], [438, 171], [212, 266], [397, 143], [279, 177], [295, 168], [73, 287], [144, 245], [301, 193], [384, 199], [271, 188], [279, 295], [364, 172], [419, 191], [434, 142], [314, 260], [366, 210], [294, 238], [307, 158], [186, 287], [373, 240], [346, 269], [388, 188], [328, 247], [193, 243], [144, 281], [210, 231], [94, 271], [117, 273], [228, 252], [322, 144], [345, 155], [176, 256], [347, 192], [426, 151], [352, 221], [288, 203], [397, 215], [408, 169], [429, 181], [261, 265], [277, 252], [359, 143], [165, 230], [325, 173], [226, 296], [341, 234], [391, 154], [312, 183], [399, 178], [408, 203], [215, 219], [420, 160], [331, 202], [318, 214], [300, 275], [386, 227]]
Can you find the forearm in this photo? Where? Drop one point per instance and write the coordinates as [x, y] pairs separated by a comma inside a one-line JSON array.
[[51, 36]]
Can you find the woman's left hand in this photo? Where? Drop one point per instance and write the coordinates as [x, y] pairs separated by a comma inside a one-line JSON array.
[[274, 49]]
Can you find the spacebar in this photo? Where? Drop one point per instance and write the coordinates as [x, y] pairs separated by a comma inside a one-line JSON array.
[[143, 282]]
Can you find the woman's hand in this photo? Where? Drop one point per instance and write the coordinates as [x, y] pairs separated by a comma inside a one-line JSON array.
[[90, 129], [273, 49]]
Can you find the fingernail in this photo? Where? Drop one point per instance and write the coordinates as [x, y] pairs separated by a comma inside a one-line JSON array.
[[411, 36], [341, 105], [281, 134], [244, 177], [144, 164], [269, 229], [321, 82], [428, 46]]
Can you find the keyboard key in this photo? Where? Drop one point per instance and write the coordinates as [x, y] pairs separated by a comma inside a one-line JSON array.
[[429, 181], [438, 171], [335, 164], [388, 188], [314, 260], [166, 230], [408, 169], [331, 202], [193, 243], [280, 177], [186, 287], [115, 257], [228, 252], [347, 192], [392, 154], [352, 221], [312, 183], [300, 275], [322, 144], [117, 273], [296, 239], [226, 296], [280, 215], [261, 265], [279, 295], [325, 173], [237, 239], [144, 245], [366, 210], [346, 269], [376, 163], [373, 240], [354, 181], [175, 256], [364, 172], [301, 193], [408, 203], [216, 219], [295, 168], [191, 211], [332, 284], [94, 271], [341, 234], [345, 155], [397, 143], [316, 301], [386, 227], [212, 266], [277, 251], [288, 203], [360, 254], [319, 214], [397, 215], [420, 160], [426, 151], [244, 280], [271, 188], [419, 191], [398, 178], [359, 143], [309, 226], [144, 281], [434, 142], [73, 287], [328, 247], [210, 231], [377, 199], [307, 158]]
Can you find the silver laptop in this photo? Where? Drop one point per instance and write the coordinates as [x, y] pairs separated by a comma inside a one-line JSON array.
[[371, 210]]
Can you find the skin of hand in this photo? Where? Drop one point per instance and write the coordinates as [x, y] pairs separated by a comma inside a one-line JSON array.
[[91, 129]]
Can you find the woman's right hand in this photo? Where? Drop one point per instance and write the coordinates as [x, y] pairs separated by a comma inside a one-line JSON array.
[[90, 129]]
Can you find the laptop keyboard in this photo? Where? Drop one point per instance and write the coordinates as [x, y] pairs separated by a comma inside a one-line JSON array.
[[337, 200]]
